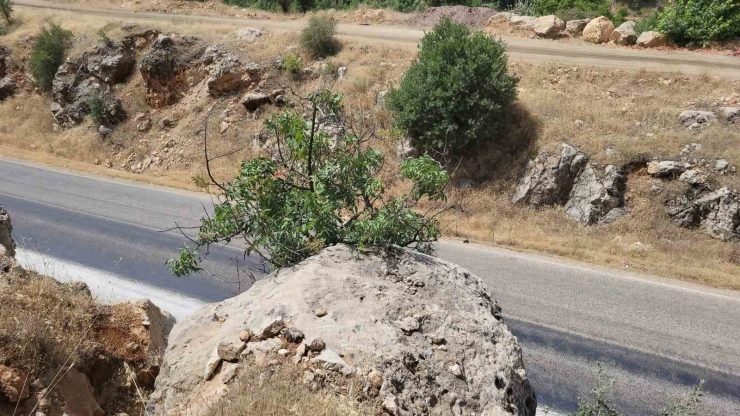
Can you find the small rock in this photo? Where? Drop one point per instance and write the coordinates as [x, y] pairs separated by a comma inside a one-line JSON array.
[[283, 352], [316, 344], [320, 313], [144, 125], [579, 122], [132, 346], [293, 335], [248, 34], [331, 361], [665, 169], [652, 39], [375, 378], [390, 405], [380, 99], [105, 131], [637, 247], [211, 365], [342, 71], [229, 372], [721, 165], [224, 126], [456, 370], [230, 351], [167, 123], [692, 177], [272, 329], [409, 325], [244, 335]]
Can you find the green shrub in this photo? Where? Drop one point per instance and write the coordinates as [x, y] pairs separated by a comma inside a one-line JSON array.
[[284, 5], [620, 17], [318, 37], [317, 191], [48, 54], [6, 11], [456, 91], [96, 106], [3, 30], [291, 64], [588, 8], [305, 5], [699, 22], [104, 39], [647, 23]]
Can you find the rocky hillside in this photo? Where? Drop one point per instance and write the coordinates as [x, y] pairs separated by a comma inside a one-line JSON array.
[[422, 335], [62, 352]]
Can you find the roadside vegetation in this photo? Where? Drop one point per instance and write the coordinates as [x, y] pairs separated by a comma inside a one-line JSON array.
[[48, 54], [318, 37]]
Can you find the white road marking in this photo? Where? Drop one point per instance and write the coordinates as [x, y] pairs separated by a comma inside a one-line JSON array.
[[108, 287]]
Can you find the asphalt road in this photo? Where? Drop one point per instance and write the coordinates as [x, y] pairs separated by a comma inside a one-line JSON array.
[[655, 337], [531, 50]]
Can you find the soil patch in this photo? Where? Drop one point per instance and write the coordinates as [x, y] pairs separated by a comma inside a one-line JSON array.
[[476, 17]]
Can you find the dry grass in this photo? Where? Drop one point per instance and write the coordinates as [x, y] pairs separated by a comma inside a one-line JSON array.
[[279, 390], [627, 116]]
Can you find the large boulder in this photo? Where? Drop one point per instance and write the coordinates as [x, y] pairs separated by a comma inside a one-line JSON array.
[[652, 39], [596, 199], [548, 26], [575, 27], [75, 391], [625, 34], [598, 30], [715, 212], [426, 334], [548, 179], [522, 21]]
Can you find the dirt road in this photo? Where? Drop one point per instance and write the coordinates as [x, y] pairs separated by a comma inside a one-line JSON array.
[[531, 50]]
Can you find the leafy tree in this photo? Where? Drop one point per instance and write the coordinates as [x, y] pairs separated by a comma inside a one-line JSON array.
[[6, 11], [701, 21], [455, 93], [48, 54], [314, 191], [306, 5], [318, 37]]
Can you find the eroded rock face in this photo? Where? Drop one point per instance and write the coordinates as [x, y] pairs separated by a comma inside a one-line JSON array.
[[13, 383], [77, 394], [715, 212], [174, 64], [459, 358], [598, 30], [589, 196], [548, 179], [7, 85]]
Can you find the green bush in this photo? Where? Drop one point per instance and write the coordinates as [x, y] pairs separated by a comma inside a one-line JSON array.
[[48, 54], [620, 17], [699, 22], [647, 23], [317, 191], [305, 5], [318, 37], [456, 91], [3, 30], [291, 64], [6, 11], [96, 105], [565, 9]]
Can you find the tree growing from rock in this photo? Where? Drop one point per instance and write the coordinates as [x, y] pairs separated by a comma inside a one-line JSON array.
[[319, 187], [48, 54], [456, 92]]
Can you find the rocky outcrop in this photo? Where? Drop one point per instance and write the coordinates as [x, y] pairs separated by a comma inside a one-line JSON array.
[[715, 212], [595, 199], [85, 81], [731, 114], [14, 384], [652, 39], [76, 395], [598, 30], [575, 27], [695, 118], [570, 180], [4, 60], [548, 26], [666, 168], [174, 64], [423, 334], [625, 34], [7, 84]]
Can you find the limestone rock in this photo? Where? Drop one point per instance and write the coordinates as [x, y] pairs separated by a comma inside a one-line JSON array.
[[715, 212], [14, 383], [77, 393], [575, 27], [665, 169], [731, 114], [692, 177], [7, 87], [380, 99], [455, 304], [548, 179], [625, 34], [253, 101], [6, 233], [248, 34], [548, 26], [598, 30], [230, 350], [689, 117], [592, 198], [523, 21], [331, 361], [226, 72], [652, 39]]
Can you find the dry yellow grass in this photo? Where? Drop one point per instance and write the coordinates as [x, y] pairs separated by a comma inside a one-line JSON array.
[[626, 115], [278, 390]]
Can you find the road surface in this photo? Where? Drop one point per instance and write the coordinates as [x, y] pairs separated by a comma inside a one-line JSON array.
[[532, 50], [656, 337]]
